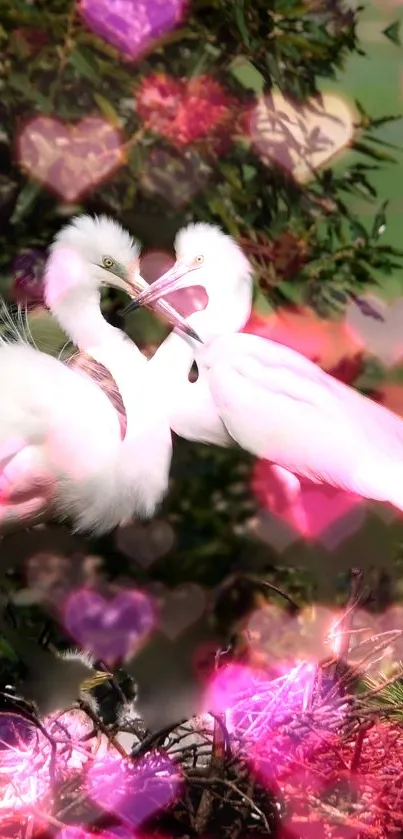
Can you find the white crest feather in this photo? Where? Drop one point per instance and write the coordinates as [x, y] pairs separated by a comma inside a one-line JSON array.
[[96, 236], [210, 241], [14, 324]]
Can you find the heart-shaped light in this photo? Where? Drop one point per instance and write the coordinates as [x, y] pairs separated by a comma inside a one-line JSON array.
[[132, 27], [301, 137], [70, 159], [113, 629]]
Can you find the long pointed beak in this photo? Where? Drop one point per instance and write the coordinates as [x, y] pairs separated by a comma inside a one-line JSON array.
[[170, 281], [137, 284]]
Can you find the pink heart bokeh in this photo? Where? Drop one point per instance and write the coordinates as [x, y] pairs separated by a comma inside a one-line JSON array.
[[134, 791], [112, 629], [70, 159], [132, 27], [319, 513]]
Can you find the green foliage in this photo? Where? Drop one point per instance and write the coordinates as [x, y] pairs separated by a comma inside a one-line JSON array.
[[386, 694], [55, 65]]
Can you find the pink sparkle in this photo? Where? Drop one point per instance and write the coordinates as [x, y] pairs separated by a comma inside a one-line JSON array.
[[24, 764], [260, 714], [133, 791]]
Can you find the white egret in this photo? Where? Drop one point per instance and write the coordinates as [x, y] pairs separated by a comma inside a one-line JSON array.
[[274, 402], [60, 438]]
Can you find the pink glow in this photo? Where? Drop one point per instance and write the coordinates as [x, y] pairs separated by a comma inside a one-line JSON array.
[[335, 636], [326, 342], [319, 512], [281, 640], [133, 791], [65, 273], [69, 729], [261, 713], [72, 832], [198, 109], [24, 765], [187, 300]]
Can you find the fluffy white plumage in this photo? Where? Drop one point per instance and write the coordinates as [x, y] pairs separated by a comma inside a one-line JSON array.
[[96, 236], [60, 442], [274, 402], [193, 413]]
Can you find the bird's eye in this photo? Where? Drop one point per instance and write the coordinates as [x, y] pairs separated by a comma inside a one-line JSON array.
[[108, 262], [199, 259]]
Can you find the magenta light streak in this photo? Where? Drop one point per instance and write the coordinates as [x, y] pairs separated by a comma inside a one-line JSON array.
[[260, 714]]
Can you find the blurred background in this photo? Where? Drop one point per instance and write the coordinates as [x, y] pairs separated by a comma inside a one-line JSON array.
[[160, 117]]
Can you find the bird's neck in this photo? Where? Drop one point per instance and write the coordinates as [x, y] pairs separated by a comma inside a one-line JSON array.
[[79, 315], [93, 335], [220, 318], [174, 358]]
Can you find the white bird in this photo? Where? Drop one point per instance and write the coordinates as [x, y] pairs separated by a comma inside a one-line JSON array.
[[60, 437], [273, 401]]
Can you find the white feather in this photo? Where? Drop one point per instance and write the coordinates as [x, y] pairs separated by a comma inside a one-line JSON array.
[[272, 401], [68, 456]]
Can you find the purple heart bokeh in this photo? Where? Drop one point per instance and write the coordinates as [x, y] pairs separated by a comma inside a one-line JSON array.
[[133, 791], [112, 629], [129, 25]]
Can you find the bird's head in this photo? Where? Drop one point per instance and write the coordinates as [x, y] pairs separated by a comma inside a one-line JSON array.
[[91, 252], [207, 257], [110, 255]]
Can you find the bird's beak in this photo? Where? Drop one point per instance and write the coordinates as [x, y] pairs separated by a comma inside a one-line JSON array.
[[169, 282], [138, 287]]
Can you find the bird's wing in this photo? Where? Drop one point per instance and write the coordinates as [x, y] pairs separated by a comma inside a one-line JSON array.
[[194, 415], [55, 424], [279, 405], [44, 400], [377, 423], [24, 485]]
